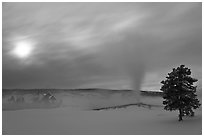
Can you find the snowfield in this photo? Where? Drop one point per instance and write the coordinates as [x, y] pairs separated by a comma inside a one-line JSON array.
[[76, 117]]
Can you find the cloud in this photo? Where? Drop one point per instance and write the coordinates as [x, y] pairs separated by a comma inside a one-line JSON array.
[[91, 43]]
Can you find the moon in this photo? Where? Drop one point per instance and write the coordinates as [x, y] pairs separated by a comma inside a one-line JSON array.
[[23, 49]]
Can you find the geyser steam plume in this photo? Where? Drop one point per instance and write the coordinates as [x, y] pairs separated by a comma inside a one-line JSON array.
[[134, 66], [128, 59]]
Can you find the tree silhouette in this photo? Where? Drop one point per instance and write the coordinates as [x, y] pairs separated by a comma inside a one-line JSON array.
[[179, 92]]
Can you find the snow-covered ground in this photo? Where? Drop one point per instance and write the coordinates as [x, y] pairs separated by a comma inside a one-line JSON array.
[[76, 117]]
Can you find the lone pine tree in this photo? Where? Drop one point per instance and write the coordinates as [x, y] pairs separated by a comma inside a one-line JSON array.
[[179, 92]]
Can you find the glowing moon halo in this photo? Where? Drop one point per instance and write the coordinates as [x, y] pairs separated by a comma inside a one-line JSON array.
[[23, 49]]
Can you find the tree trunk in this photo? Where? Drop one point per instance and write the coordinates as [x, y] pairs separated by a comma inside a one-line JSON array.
[[180, 115]]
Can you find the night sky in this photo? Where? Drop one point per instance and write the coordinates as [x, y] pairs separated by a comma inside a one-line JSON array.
[[98, 45]]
